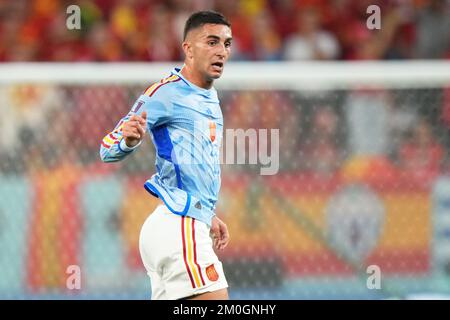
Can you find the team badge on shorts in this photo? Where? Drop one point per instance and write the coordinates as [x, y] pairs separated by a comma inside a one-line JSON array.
[[211, 273]]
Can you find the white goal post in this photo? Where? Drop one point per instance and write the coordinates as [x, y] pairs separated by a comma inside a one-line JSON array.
[[244, 75]]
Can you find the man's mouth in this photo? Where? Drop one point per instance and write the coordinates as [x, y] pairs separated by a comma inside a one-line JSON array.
[[217, 65]]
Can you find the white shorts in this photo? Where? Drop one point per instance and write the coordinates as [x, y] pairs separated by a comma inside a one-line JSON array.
[[178, 255]]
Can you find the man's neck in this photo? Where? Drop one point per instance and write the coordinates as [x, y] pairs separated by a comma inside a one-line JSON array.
[[195, 78]]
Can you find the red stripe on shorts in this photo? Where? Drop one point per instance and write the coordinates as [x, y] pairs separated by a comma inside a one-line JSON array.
[[184, 252]]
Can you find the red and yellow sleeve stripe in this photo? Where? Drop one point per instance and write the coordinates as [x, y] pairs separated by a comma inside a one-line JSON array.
[[110, 140], [152, 89], [113, 137]]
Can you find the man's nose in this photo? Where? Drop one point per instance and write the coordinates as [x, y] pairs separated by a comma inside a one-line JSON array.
[[221, 52]]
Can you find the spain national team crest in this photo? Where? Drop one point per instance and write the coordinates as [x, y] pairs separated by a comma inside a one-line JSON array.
[[211, 273], [212, 130]]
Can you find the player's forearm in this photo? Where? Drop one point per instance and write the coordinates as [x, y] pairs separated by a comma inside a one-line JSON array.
[[115, 152], [125, 137]]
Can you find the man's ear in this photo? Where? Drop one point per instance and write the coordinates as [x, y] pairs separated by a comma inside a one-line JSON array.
[[187, 48]]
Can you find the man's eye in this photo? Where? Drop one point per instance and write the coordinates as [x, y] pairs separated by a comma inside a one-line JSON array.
[[211, 43], [228, 44]]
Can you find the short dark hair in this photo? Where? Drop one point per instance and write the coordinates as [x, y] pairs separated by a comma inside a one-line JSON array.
[[200, 18]]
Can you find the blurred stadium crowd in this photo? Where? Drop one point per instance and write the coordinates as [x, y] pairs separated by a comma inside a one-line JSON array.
[[267, 30]]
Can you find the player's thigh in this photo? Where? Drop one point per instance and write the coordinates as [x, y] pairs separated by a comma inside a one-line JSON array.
[[159, 238]]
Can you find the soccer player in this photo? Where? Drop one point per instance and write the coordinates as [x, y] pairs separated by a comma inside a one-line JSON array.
[[183, 115]]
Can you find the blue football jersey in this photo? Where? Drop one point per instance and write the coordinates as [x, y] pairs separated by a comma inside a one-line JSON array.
[[186, 126]]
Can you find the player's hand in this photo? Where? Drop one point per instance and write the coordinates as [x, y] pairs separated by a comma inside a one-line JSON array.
[[134, 129], [219, 232]]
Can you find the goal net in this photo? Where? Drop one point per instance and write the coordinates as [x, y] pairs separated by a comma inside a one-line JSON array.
[[335, 180]]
